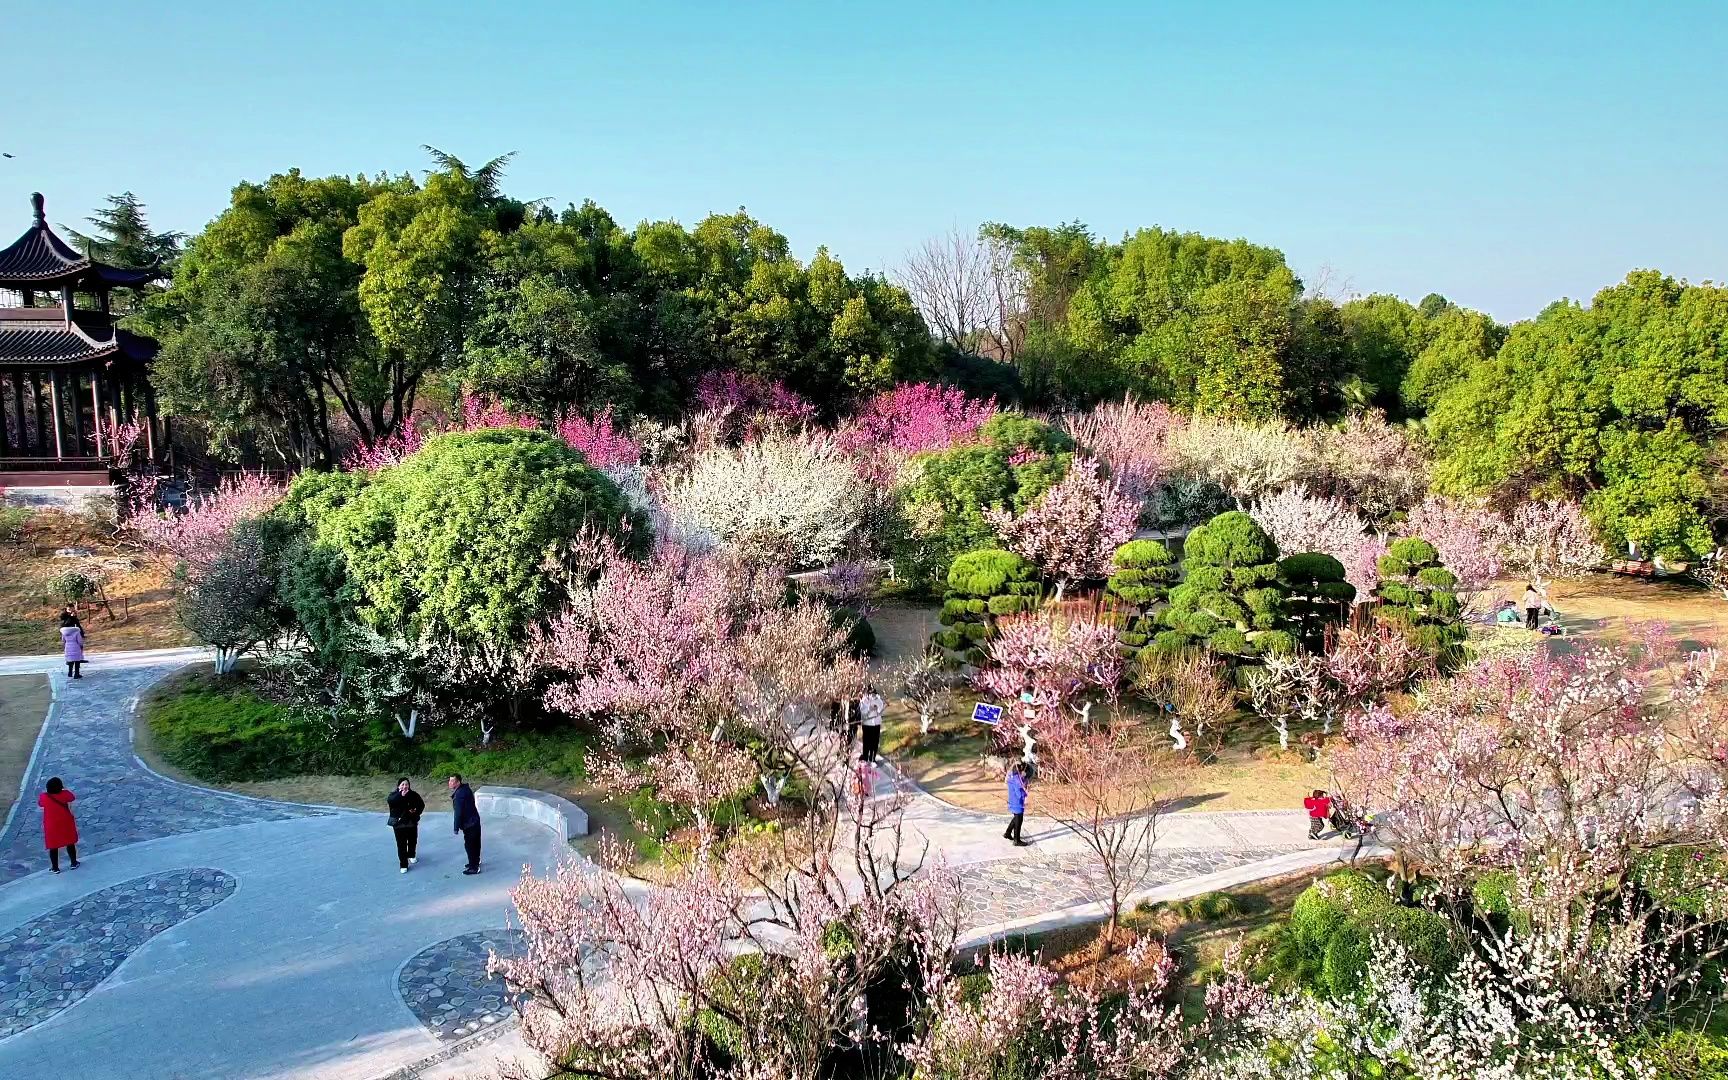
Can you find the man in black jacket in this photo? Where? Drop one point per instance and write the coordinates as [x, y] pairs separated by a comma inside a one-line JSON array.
[[467, 820], [406, 806]]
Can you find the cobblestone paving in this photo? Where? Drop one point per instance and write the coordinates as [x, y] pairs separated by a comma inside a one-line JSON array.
[[995, 892], [87, 743], [447, 987], [52, 961]]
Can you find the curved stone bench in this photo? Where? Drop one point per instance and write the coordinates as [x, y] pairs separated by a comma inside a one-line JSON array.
[[556, 813]]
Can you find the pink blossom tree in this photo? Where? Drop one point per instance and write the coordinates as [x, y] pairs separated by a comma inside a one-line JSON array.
[[1061, 659], [1135, 439], [1548, 539], [1376, 468], [191, 539], [726, 970], [1365, 665], [1073, 531], [601, 441], [912, 417], [1299, 522], [1468, 537]]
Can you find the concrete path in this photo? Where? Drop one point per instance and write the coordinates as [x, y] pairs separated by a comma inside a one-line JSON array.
[[210, 935]]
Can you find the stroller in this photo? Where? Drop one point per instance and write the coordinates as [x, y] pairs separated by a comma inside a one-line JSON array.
[[1346, 820]]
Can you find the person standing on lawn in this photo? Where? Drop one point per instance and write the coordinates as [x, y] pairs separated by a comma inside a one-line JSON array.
[[406, 806], [871, 708], [1532, 606], [467, 817], [1016, 803], [1319, 808], [72, 644], [59, 828]]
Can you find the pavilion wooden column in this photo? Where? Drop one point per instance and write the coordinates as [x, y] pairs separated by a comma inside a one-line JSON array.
[[96, 408], [54, 404]]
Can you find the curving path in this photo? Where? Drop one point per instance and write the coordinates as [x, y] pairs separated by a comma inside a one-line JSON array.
[[255, 939], [211, 935]]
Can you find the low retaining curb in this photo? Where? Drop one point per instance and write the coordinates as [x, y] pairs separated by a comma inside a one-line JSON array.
[[556, 813]]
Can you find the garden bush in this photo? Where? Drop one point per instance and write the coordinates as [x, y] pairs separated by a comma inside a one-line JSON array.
[[1417, 593], [983, 586], [1143, 571], [1319, 596], [1231, 599], [222, 730], [940, 509], [1334, 923], [1681, 878]]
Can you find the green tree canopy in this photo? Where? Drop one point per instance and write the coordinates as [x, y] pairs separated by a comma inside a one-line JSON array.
[[1618, 402]]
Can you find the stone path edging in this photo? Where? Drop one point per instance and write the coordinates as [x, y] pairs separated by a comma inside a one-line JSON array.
[[1181, 890]]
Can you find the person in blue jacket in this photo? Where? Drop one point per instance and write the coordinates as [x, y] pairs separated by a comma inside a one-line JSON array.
[[467, 817], [1016, 803]]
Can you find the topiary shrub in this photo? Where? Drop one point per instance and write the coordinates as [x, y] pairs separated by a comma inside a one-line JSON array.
[[1418, 594], [1334, 923], [1140, 579], [939, 509], [1231, 600], [1319, 596], [983, 586]]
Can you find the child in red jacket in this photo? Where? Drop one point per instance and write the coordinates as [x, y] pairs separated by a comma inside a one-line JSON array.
[[59, 828], [1319, 807]]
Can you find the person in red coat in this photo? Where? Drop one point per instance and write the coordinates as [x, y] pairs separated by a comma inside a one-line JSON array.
[[59, 828], [1319, 807]]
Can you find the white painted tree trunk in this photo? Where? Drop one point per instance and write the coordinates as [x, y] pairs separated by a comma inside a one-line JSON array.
[[1084, 712], [413, 724], [1027, 754], [925, 719], [226, 657], [1176, 737], [486, 731], [772, 786], [1283, 723]]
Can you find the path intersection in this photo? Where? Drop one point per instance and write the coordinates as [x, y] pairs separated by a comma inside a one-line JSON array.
[[210, 935]]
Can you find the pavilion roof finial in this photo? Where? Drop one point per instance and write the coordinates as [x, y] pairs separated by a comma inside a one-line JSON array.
[[36, 208]]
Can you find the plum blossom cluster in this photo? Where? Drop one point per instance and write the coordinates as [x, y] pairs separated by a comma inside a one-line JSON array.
[[1134, 439], [910, 418], [1072, 531]]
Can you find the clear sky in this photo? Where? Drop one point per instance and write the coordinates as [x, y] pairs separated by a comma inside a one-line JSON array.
[[1503, 154]]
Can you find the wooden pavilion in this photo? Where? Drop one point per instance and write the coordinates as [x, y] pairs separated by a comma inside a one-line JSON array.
[[69, 377]]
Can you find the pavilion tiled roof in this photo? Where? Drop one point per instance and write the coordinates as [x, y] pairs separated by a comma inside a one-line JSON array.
[[56, 345], [39, 258]]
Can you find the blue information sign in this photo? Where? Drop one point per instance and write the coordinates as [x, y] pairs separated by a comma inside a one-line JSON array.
[[986, 714]]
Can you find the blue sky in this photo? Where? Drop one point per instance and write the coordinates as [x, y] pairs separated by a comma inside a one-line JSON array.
[[1503, 154]]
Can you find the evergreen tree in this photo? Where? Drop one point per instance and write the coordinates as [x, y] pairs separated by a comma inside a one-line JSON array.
[[1140, 581], [1232, 600], [1417, 593], [120, 235]]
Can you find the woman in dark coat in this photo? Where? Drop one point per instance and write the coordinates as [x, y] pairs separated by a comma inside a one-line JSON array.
[[59, 828], [406, 806]]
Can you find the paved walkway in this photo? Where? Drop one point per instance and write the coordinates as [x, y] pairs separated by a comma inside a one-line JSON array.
[[256, 939]]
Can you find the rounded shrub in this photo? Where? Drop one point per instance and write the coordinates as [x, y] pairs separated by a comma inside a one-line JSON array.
[[1232, 589], [982, 587], [1320, 597]]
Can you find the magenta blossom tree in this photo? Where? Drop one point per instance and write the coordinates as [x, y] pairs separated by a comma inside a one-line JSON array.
[[1072, 533], [601, 441], [740, 406], [912, 417]]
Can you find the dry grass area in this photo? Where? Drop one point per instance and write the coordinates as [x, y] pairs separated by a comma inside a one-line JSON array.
[[1247, 772], [24, 701], [1603, 605], [140, 613]]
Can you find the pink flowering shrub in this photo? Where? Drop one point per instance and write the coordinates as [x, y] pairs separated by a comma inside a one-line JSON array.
[[1467, 536], [393, 449], [600, 440], [1134, 439], [912, 417], [742, 405], [1062, 658], [472, 414]]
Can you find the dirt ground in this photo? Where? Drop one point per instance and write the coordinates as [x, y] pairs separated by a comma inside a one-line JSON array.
[[140, 611], [1603, 605], [24, 701]]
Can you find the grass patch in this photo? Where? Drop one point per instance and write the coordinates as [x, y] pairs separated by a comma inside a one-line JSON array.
[[24, 702]]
